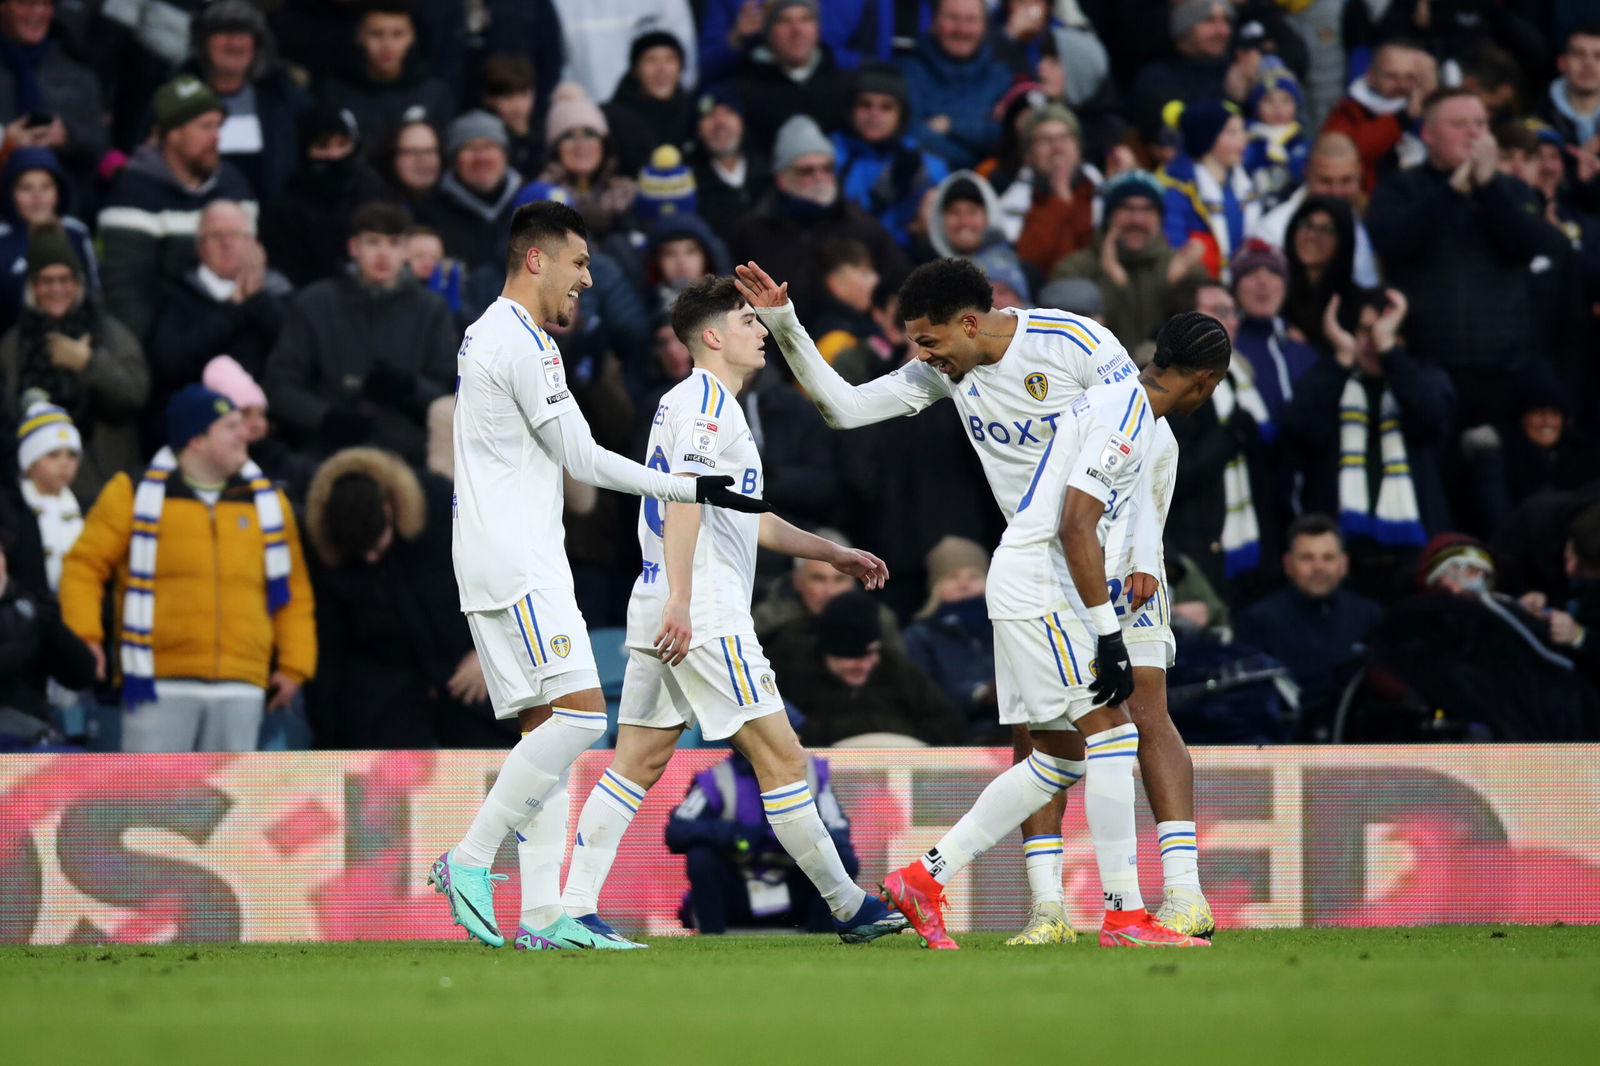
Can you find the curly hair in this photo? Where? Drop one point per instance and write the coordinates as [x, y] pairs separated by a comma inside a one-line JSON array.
[[942, 289]]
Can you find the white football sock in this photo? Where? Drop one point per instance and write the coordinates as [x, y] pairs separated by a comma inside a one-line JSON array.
[[1108, 808], [792, 813], [1010, 798], [606, 815], [1180, 855], [531, 773], [540, 846], [1042, 856]]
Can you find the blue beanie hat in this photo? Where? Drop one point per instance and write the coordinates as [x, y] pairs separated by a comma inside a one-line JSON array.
[[1201, 124], [1270, 77], [666, 185], [543, 190], [190, 413]]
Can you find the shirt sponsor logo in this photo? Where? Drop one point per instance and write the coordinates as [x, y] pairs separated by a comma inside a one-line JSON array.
[[554, 375], [705, 436]]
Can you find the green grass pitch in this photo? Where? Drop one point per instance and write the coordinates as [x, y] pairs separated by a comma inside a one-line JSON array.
[[1434, 995]]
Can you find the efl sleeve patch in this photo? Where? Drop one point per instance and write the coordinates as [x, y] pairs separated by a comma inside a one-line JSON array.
[[1117, 452], [555, 376], [704, 437]]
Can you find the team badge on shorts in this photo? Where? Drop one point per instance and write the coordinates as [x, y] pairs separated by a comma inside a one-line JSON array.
[[766, 683], [1094, 667], [705, 435], [561, 646], [1038, 386], [554, 375]]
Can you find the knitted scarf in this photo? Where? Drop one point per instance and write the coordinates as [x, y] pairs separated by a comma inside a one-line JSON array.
[[139, 600], [1394, 519], [1241, 532]]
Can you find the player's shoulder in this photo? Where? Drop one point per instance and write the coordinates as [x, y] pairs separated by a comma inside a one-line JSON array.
[[1052, 328], [1123, 407], [506, 326]]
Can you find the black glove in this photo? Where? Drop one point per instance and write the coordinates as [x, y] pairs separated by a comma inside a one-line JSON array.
[[388, 387], [344, 427], [1113, 672], [715, 489]]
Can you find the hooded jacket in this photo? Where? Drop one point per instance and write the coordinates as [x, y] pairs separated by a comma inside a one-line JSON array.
[[938, 237], [965, 91], [887, 179], [379, 106], [473, 226], [639, 122], [147, 228], [14, 236]]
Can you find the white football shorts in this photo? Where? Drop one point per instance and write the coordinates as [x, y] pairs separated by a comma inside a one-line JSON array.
[[1043, 667], [1148, 631], [533, 651], [721, 685]]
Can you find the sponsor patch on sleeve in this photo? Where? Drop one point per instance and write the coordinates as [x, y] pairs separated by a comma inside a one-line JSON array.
[[704, 437], [1099, 475], [555, 375], [1117, 451]]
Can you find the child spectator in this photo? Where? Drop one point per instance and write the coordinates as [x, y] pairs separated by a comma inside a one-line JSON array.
[[1210, 199], [437, 272], [505, 86], [844, 316], [48, 450], [1275, 157]]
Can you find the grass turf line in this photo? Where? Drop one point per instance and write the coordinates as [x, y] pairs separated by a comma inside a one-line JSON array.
[[1437, 994]]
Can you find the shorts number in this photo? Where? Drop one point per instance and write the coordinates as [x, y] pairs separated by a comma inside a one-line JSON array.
[[1115, 590]]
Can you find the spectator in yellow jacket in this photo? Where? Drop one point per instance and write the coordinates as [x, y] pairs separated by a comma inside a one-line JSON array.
[[214, 615]]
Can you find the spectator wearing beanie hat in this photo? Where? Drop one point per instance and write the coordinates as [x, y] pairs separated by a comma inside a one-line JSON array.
[[40, 78], [476, 197], [214, 620], [598, 35], [1209, 198], [1275, 157], [48, 451], [150, 216], [36, 191], [391, 79], [1277, 360], [1131, 261], [729, 180], [583, 160], [304, 229], [67, 346], [666, 186], [803, 212], [651, 107], [952, 640], [846, 683], [881, 168], [791, 74]]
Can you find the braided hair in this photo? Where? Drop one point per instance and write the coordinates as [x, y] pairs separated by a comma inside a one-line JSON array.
[[1191, 340]]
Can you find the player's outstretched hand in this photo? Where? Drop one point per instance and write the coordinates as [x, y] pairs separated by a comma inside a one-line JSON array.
[[865, 567], [1113, 680], [758, 287], [717, 490]]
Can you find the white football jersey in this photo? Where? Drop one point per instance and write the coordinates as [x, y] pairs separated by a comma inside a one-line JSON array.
[[1145, 552], [507, 538], [1010, 408], [1100, 447], [699, 428]]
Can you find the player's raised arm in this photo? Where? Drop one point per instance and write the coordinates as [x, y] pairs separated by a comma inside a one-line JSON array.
[[843, 405]]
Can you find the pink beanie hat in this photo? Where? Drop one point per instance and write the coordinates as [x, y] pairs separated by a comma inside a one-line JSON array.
[[224, 374], [571, 109]]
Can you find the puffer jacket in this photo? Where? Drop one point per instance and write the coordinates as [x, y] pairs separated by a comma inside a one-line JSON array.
[[211, 616]]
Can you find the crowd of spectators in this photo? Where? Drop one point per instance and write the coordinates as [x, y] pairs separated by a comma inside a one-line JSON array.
[[240, 241]]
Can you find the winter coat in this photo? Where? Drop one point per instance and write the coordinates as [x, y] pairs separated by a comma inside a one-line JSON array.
[[1136, 310], [194, 328], [1321, 640], [854, 30], [896, 698], [472, 226], [1218, 214], [721, 204], [212, 622], [15, 237], [36, 648], [783, 235], [887, 180], [1276, 359], [1375, 135], [1461, 261], [105, 398], [964, 91], [640, 123], [147, 229], [306, 230], [378, 107], [798, 453], [373, 358], [71, 92], [959, 659], [605, 201], [1311, 425], [770, 97], [390, 633], [279, 103]]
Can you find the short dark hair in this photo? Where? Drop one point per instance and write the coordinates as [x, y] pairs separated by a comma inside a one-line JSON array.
[[417, 229], [1514, 135], [841, 252], [1582, 29], [539, 223], [355, 516], [379, 216], [408, 8], [1357, 299], [1313, 525], [700, 302], [1584, 532], [942, 289], [1185, 294], [504, 74], [1490, 66], [1192, 341], [1439, 96]]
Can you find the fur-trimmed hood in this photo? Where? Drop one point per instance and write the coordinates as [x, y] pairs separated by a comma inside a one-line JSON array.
[[400, 487]]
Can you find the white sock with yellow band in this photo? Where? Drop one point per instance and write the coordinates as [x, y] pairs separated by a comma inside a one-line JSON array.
[[606, 815], [792, 812], [1108, 808], [531, 774]]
